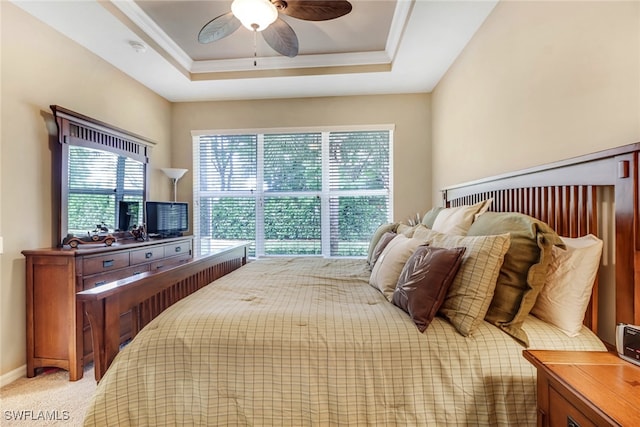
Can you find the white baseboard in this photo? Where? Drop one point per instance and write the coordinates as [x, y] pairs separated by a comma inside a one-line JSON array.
[[10, 377]]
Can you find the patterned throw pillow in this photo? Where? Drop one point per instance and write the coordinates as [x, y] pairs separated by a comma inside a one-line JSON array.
[[388, 267], [424, 281], [472, 289]]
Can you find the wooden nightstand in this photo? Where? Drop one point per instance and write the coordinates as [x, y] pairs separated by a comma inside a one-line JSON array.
[[584, 388]]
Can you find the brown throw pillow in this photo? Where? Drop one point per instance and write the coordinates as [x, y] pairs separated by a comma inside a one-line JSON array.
[[424, 281], [383, 228], [382, 243]]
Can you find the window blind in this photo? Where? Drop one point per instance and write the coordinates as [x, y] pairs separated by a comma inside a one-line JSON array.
[[98, 180], [294, 193]]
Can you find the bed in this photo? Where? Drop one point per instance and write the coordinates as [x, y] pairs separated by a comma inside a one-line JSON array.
[[314, 341]]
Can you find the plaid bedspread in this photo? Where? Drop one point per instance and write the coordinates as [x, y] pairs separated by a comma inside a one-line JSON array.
[[308, 342]]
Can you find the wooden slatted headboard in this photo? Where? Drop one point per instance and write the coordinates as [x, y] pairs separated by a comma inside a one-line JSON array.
[[568, 195]]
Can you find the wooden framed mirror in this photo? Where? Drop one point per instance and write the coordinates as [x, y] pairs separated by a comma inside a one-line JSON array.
[[102, 171]]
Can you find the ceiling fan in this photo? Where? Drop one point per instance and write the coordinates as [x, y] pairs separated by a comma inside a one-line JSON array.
[[262, 16]]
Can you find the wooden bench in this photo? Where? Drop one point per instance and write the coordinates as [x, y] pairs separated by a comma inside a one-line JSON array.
[[147, 295]]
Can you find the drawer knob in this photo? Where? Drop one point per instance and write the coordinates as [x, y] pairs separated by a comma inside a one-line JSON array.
[[107, 263], [148, 255], [178, 248], [100, 283]]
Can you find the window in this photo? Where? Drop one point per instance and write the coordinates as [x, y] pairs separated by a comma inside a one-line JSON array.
[[309, 192]]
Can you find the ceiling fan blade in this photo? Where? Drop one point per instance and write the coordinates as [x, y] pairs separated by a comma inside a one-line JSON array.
[[313, 10], [281, 37], [218, 28]]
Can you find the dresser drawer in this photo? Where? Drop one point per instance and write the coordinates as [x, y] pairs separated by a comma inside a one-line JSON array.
[[180, 248], [103, 263], [147, 255], [92, 281], [170, 262], [563, 414]]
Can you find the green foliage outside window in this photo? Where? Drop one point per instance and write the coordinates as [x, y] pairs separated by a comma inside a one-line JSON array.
[[284, 210], [98, 180]]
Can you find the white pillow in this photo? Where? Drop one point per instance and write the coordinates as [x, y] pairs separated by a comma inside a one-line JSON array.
[[458, 220], [565, 295], [386, 271]]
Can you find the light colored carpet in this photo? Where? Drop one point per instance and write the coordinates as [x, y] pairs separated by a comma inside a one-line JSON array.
[[47, 399]]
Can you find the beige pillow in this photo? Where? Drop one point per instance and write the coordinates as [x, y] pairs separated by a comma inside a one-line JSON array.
[[458, 220], [405, 229], [388, 267], [564, 298], [471, 291], [422, 231]]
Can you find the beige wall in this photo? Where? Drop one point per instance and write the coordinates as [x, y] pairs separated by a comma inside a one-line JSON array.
[[409, 113], [539, 82], [40, 67]]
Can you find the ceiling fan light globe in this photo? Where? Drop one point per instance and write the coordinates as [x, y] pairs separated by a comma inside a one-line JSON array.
[[255, 15]]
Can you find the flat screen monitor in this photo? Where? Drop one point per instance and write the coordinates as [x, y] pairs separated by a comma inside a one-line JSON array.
[[167, 219]]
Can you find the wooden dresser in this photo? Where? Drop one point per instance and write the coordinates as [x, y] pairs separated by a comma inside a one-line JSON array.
[[58, 332], [583, 389]]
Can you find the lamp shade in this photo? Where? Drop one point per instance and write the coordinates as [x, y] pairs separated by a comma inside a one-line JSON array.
[[174, 173], [255, 15]]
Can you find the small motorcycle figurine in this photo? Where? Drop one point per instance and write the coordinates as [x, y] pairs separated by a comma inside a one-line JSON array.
[[139, 233]]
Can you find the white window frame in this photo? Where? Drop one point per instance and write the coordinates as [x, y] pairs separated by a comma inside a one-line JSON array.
[[324, 193]]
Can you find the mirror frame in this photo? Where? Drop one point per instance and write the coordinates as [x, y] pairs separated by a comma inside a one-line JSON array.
[[80, 130]]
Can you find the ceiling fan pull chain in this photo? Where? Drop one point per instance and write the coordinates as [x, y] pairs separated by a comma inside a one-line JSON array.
[[255, 47]]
